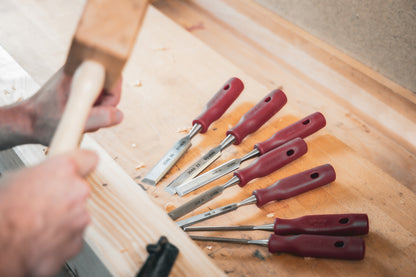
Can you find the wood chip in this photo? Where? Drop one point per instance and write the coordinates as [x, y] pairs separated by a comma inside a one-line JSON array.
[[137, 83], [161, 48], [183, 130], [140, 166]]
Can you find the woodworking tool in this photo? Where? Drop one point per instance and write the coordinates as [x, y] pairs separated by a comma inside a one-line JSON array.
[[161, 258], [100, 48], [249, 123], [282, 189], [317, 246], [302, 128], [214, 109], [324, 224], [263, 166]]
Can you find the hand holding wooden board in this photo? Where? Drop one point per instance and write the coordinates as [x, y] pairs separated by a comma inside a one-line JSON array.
[[100, 48]]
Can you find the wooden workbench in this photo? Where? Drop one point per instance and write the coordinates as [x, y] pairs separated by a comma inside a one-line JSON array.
[[175, 69]]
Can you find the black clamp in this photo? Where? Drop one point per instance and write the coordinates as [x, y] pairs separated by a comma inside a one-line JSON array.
[[161, 258]]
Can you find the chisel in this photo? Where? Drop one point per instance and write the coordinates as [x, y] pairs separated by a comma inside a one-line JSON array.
[[249, 123], [214, 109], [264, 165], [324, 224], [302, 128], [282, 189], [317, 246]]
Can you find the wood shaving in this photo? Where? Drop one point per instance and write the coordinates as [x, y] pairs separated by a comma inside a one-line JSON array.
[[209, 247], [182, 130], [140, 166], [169, 207], [270, 215], [161, 48], [137, 83], [6, 92], [45, 150]]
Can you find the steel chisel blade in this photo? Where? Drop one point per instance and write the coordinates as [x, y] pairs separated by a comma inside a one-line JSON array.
[[195, 169], [208, 177], [166, 163], [204, 216]]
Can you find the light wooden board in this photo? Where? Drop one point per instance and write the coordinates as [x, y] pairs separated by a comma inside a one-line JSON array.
[[178, 74]]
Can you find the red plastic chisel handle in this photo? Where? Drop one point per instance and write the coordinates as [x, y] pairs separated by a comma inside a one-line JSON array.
[[258, 115], [333, 247], [296, 184], [300, 129], [272, 161], [326, 224], [218, 104]]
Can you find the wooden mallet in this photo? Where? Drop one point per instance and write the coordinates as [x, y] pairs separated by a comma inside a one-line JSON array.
[[101, 45]]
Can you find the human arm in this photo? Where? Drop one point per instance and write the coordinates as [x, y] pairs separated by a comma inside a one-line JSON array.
[[34, 120], [43, 215]]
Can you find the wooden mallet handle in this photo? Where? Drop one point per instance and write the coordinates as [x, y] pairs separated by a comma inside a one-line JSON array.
[[86, 85]]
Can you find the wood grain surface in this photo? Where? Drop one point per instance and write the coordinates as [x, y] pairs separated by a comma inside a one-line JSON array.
[[167, 81]]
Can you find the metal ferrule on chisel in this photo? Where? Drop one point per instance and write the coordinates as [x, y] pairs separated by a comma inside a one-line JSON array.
[[249, 123], [302, 128]]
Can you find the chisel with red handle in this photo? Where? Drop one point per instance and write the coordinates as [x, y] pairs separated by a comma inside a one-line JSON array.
[[302, 128], [282, 189], [324, 224], [317, 246], [249, 123], [214, 109], [264, 165]]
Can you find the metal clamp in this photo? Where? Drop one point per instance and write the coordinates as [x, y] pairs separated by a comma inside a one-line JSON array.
[[161, 258]]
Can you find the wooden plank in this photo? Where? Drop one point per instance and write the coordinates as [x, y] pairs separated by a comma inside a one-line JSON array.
[[167, 82]]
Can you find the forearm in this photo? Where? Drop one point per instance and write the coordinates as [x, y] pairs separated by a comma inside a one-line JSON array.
[[16, 125]]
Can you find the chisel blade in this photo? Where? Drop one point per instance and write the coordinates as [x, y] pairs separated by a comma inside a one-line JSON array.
[[216, 239], [220, 228], [208, 177], [204, 216], [195, 169], [166, 163]]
